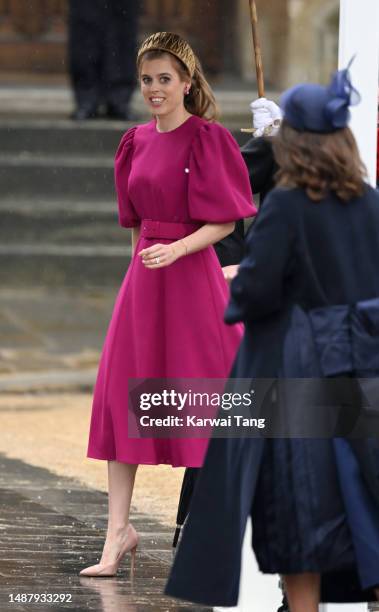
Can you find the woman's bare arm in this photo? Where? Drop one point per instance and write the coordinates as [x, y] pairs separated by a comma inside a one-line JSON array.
[[135, 236], [210, 233], [160, 255]]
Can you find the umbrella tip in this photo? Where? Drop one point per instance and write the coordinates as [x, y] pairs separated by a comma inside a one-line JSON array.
[[176, 536]]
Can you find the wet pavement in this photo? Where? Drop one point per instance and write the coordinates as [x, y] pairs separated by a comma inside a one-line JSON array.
[[51, 527], [52, 333]]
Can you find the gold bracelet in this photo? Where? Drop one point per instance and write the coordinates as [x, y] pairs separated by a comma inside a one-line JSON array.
[[185, 246]]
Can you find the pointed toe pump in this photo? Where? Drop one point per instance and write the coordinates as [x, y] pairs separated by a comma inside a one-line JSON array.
[[101, 570]]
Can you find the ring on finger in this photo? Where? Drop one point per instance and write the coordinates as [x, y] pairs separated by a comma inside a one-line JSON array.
[[157, 259]]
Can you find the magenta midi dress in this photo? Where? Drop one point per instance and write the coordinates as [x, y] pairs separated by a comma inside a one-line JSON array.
[[168, 322]]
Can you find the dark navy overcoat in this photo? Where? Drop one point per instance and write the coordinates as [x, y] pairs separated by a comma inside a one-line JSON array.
[[309, 264]]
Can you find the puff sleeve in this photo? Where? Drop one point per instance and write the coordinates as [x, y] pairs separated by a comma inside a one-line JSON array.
[[219, 188], [127, 215]]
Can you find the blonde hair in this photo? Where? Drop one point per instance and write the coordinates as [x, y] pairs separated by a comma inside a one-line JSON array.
[[200, 100]]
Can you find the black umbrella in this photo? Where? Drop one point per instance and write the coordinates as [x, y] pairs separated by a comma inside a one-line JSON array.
[[188, 485]]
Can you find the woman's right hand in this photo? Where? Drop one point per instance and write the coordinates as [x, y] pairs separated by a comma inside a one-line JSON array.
[[162, 255], [230, 272]]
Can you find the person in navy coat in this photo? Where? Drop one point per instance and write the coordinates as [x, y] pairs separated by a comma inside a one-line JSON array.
[[308, 293]]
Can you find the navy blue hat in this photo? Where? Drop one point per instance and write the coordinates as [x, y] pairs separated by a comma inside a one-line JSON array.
[[313, 108]]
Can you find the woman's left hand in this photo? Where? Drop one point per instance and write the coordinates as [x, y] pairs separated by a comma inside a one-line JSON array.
[[161, 255]]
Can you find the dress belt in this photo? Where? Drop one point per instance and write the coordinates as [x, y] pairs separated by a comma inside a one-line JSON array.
[[166, 229]]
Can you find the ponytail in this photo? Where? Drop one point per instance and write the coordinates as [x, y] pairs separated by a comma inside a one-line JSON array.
[[201, 101]]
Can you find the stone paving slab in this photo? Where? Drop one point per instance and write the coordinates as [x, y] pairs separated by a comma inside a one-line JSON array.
[[51, 527], [53, 329]]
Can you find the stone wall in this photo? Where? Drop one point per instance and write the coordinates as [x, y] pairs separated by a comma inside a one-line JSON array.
[[313, 40], [299, 40]]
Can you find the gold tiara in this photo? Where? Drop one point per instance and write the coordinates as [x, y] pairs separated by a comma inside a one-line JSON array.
[[172, 43]]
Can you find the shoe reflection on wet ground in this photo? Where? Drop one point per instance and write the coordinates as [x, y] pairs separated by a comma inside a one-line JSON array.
[[51, 527]]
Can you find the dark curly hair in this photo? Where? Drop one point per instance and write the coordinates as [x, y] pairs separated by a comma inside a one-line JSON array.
[[319, 163]]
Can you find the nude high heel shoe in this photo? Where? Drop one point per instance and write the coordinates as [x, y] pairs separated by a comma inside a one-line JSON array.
[[101, 571]]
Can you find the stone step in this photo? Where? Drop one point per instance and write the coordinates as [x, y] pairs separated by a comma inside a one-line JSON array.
[[95, 138], [58, 208], [98, 138], [84, 177], [56, 101], [60, 174], [60, 222], [62, 242], [44, 205], [63, 266], [60, 159], [64, 250]]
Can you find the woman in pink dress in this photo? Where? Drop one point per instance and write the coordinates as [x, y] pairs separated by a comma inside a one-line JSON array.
[[181, 184]]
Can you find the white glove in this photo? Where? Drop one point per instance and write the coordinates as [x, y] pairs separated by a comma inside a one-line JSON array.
[[267, 117]]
